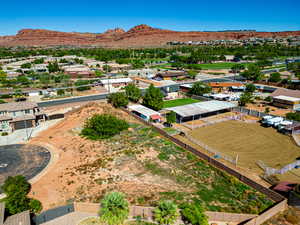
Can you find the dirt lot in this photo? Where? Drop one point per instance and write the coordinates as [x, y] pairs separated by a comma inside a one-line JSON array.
[[250, 142], [261, 107], [138, 162]]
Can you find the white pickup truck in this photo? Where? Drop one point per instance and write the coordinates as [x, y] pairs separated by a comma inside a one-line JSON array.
[[273, 121]]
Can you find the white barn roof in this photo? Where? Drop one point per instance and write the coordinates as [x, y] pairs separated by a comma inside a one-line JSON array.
[[201, 108], [143, 110], [116, 81]]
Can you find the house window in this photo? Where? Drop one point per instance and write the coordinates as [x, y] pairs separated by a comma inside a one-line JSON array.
[[27, 111]]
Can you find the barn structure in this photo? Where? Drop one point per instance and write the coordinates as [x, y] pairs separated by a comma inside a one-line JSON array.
[[199, 110]]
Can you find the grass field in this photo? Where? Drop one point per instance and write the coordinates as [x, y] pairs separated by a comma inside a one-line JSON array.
[[179, 102], [216, 66], [250, 142]]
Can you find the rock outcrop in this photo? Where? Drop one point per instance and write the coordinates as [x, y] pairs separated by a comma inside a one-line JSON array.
[[138, 36]]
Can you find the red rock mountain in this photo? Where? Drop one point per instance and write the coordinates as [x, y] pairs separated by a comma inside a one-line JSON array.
[[139, 36]]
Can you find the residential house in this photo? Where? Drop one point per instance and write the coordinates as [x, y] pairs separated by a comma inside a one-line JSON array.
[[171, 74], [19, 115], [115, 83], [286, 102], [224, 86]]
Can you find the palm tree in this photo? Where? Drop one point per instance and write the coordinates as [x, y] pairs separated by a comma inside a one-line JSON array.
[[166, 213], [114, 209]]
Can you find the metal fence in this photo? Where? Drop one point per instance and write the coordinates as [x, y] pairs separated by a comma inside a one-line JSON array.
[[215, 153], [249, 112], [270, 171]]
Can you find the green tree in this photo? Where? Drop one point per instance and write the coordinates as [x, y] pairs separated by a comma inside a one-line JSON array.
[[99, 73], [294, 67], [171, 117], [53, 67], [26, 66], [61, 92], [236, 68], [293, 116], [118, 99], [222, 58], [23, 80], [192, 74], [103, 126], [38, 61], [166, 213], [245, 98], [82, 85], [16, 200], [107, 68], [137, 64], [17, 184], [194, 214], [253, 73], [275, 77], [3, 76], [153, 98], [114, 209], [133, 92], [250, 88], [200, 88]]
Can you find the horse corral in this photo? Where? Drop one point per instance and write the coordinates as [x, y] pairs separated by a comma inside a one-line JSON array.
[[250, 143]]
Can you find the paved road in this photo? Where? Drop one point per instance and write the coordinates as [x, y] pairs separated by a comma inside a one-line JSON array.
[[104, 95]]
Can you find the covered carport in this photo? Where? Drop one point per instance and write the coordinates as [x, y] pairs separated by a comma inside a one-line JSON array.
[[199, 110]]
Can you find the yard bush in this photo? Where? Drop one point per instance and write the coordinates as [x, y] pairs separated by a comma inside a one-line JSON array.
[[114, 209], [194, 214], [166, 213], [103, 126]]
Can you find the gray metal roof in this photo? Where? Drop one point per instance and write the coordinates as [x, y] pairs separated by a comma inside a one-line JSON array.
[[143, 110], [22, 218], [2, 209], [201, 108], [16, 106]]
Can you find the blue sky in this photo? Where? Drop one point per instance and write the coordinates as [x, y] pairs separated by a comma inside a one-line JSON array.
[[197, 15]]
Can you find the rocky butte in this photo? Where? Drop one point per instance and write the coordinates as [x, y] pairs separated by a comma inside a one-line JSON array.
[[138, 36]]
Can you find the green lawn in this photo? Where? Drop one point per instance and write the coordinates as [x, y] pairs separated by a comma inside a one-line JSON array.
[[178, 102], [217, 66]]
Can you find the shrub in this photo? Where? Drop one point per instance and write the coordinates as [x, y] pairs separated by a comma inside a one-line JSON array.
[[171, 117], [103, 126], [166, 213], [114, 209], [35, 206], [4, 134], [194, 214]]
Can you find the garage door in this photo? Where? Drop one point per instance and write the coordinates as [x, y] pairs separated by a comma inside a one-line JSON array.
[[23, 124]]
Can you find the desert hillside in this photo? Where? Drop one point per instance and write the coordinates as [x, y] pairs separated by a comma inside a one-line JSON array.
[[138, 36]]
